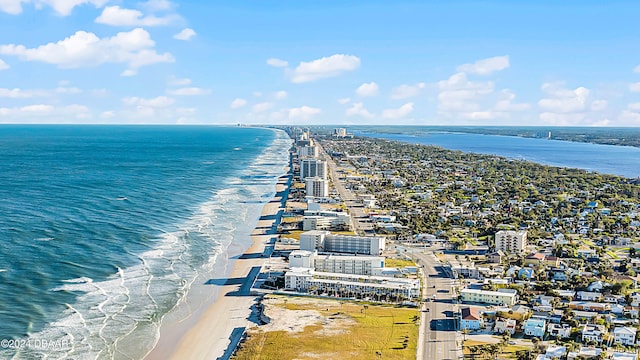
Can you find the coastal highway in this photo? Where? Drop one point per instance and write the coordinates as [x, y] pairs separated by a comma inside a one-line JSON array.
[[361, 226], [439, 334]]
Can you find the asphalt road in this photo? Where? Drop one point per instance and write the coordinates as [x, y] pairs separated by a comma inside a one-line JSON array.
[[438, 324]]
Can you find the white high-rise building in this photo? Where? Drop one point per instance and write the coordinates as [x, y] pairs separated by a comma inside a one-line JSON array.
[[510, 241], [308, 151], [324, 241], [317, 187], [313, 168]]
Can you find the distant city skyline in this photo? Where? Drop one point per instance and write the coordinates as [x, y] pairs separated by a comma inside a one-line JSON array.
[[377, 62]]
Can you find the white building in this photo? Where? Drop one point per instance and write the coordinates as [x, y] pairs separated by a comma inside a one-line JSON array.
[[317, 219], [505, 325], [334, 263], [324, 241], [313, 168], [308, 151], [625, 335], [349, 285], [592, 332], [510, 241], [317, 187], [340, 132], [504, 297]]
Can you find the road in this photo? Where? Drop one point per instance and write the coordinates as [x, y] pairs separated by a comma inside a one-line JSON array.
[[439, 337], [360, 223]]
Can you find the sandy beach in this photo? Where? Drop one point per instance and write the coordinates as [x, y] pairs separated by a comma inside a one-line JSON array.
[[208, 334]]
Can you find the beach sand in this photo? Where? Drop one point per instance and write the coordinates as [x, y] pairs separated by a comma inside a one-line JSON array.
[[208, 334]]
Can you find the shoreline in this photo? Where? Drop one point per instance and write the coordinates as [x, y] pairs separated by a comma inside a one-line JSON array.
[[207, 332]]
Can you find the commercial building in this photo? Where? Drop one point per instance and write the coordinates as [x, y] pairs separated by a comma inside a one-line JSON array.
[[510, 241], [503, 297], [317, 187], [324, 241], [313, 168], [349, 285]]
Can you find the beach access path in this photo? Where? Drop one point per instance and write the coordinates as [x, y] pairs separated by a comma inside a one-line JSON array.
[[225, 320]]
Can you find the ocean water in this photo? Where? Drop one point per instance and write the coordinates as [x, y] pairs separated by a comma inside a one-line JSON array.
[[606, 159], [104, 229]]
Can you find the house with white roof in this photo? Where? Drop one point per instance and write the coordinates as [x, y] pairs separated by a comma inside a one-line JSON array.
[[534, 327], [559, 330], [593, 332], [505, 325], [624, 335]]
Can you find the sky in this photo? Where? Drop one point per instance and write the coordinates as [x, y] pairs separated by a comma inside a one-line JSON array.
[[526, 62]]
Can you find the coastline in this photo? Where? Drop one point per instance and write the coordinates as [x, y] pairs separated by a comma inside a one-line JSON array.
[[207, 333]]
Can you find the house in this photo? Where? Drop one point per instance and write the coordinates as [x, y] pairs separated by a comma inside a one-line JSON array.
[[534, 327], [597, 286], [543, 300], [585, 353], [505, 325], [553, 261], [624, 335], [470, 319], [495, 257], [588, 296], [617, 355], [595, 333], [555, 352], [526, 273], [559, 330], [534, 259]]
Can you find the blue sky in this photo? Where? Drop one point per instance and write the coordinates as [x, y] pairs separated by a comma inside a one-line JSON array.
[[569, 63]]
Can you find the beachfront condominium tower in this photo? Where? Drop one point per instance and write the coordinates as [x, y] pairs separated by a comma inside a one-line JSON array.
[[510, 241], [313, 168], [317, 187], [308, 151]]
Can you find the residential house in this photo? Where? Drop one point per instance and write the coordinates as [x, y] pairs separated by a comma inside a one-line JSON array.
[[617, 355], [593, 332], [625, 335], [534, 259], [544, 300], [534, 327], [495, 257], [589, 296], [559, 330], [505, 325], [584, 353], [597, 286], [555, 352], [470, 319]]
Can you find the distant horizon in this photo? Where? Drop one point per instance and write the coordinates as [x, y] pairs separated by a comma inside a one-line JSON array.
[[409, 62]]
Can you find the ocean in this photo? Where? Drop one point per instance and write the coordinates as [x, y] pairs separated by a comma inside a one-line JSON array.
[[606, 159], [104, 229]]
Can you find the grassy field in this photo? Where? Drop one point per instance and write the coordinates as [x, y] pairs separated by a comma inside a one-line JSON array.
[[373, 332], [506, 352], [399, 263]]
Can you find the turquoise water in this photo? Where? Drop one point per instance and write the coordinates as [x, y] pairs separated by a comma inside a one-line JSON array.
[[105, 228], [607, 159]]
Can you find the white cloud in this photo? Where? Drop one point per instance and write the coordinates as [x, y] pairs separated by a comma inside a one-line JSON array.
[[67, 90], [458, 94], [400, 112], [344, 101], [562, 100], [107, 114], [599, 105], [189, 91], [277, 62], [485, 66], [633, 87], [357, 109], [3, 65], [303, 112], [13, 7], [505, 103], [238, 103], [257, 93], [157, 5], [46, 113], [134, 48], [325, 67], [634, 106], [368, 89], [636, 69], [406, 91], [117, 16], [563, 119], [262, 107], [174, 81], [280, 95], [15, 93], [157, 102], [185, 34]]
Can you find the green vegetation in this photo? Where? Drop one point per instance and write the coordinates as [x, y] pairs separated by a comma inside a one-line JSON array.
[[383, 331], [398, 263]]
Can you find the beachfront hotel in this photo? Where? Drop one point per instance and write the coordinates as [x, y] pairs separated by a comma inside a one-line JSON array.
[[334, 263], [324, 241], [350, 285], [313, 168], [510, 241]]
